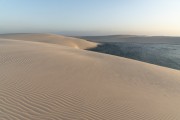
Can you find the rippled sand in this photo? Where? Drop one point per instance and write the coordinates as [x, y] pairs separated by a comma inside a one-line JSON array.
[[44, 81]]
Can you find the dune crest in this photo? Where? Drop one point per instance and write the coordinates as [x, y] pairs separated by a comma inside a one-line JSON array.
[[51, 38], [53, 82]]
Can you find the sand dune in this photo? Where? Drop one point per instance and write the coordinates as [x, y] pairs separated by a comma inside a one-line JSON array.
[[40, 81], [133, 39], [51, 38]]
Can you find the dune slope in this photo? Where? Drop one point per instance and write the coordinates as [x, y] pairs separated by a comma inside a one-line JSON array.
[[51, 38], [41, 81]]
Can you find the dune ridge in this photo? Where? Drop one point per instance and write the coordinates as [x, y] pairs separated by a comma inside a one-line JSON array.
[[55, 82], [51, 38]]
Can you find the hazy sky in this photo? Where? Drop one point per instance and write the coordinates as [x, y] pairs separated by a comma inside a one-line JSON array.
[[91, 17]]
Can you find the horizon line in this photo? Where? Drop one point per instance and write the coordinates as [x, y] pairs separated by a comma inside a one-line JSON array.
[[131, 35]]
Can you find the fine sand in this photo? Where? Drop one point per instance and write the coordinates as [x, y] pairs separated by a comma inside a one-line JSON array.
[[44, 81], [53, 39]]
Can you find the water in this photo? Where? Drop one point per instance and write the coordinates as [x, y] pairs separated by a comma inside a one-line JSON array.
[[167, 55]]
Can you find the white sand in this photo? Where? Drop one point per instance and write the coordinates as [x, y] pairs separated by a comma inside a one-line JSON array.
[[43, 81], [53, 39]]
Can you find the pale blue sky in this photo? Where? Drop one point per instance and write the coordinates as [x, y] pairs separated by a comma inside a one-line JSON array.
[[91, 17]]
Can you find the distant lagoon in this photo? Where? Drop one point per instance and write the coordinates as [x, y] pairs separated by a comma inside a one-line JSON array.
[[164, 52]]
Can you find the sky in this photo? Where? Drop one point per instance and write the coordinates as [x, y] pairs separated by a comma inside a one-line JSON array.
[[91, 17]]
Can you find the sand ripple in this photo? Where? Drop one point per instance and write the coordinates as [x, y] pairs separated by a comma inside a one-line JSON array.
[[40, 81]]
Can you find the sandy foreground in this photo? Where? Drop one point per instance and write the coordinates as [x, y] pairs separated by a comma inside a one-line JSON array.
[[50, 77]]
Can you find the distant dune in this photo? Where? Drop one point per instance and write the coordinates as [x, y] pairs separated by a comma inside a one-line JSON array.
[[133, 39], [45, 81]]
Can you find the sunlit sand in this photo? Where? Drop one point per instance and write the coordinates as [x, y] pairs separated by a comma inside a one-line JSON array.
[[51, 77]]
